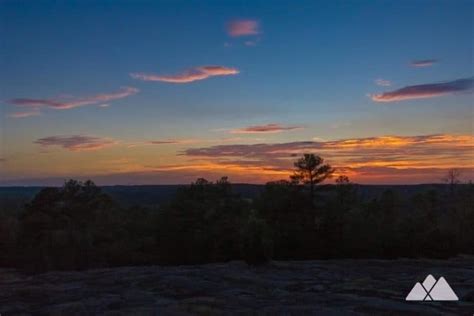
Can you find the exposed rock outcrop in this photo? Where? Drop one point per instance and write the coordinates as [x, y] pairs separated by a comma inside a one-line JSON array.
[[333, 287]]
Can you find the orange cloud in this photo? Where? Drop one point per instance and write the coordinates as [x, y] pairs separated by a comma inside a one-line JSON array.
[[268, 128], [76, 142], [424, 91], [243, 28], [214, 170], [64, 103], [193, 74]]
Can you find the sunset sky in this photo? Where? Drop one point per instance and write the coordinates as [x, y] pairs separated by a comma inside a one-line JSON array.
[[150, 92]]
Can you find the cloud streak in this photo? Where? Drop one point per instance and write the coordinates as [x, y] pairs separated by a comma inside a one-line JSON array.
[[23, 114], [268, 128], [425, 91], [76, 142], [239, 28], [66, 103], [190, 75], [164, 142], [423, 63], [172, 141]]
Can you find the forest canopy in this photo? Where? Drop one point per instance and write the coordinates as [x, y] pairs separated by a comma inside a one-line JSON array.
[[78, 226]]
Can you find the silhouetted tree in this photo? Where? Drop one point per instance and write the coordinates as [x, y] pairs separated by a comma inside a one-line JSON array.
[[452, 178], [335, 212], [345, 191], [342, 180], [284, 207], [311, 170]]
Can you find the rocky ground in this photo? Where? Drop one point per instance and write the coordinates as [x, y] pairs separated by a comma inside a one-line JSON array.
[[334, 287]]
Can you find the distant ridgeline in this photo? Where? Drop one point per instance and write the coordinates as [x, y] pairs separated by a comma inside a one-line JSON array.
[[154, 195]]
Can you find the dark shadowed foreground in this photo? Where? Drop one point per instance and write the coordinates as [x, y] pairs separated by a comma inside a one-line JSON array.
[[334, 287]]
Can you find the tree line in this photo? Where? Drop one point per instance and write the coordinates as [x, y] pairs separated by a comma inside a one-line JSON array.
[[77, 226]]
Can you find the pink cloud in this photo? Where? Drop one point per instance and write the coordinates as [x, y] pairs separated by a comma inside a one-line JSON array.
[[423, 63], [65, 102], [268, 128], [190, 75], [24, 114], [424, 91], [243, 28], [76, 142]]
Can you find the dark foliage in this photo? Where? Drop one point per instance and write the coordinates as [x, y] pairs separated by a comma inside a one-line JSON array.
[[78, 226], [202, 224], [256, 241]]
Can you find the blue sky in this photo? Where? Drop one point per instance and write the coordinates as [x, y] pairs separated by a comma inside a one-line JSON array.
[[312, 64]]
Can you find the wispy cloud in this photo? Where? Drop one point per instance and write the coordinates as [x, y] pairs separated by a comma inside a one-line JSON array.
[[23, 114], [67, 102], [162, 142], [383, 82], [76, 142], [268, 128], [184, 141], [239, 28], [424, 91], [190, 75], [172, 141], [423, 62]]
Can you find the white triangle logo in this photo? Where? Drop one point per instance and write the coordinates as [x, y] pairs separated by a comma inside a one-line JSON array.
[[432, 290], [443, 292], [417, 293]]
